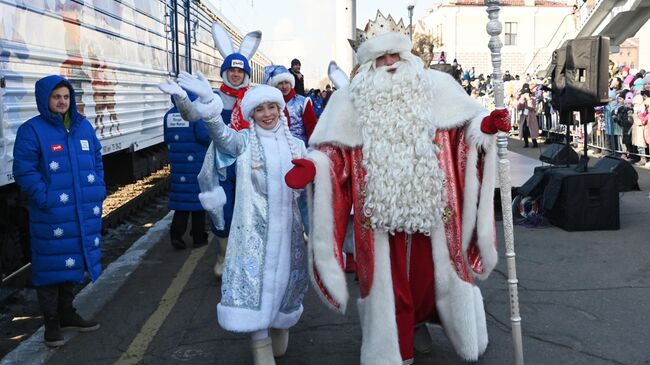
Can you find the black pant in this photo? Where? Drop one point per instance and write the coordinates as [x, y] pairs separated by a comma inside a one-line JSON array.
[[55, 299], [179, 225]]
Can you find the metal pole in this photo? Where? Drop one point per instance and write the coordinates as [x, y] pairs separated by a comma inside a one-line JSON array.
[[494, 29], [410, 9]]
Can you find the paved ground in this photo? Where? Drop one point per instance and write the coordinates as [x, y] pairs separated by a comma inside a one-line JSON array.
[[583, 297]]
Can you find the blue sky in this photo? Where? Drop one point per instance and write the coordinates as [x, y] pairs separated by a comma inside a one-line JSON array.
[[304, 29]]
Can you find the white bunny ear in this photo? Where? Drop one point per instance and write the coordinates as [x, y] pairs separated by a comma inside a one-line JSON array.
[[222, 40], [338, 77], [249, 44]]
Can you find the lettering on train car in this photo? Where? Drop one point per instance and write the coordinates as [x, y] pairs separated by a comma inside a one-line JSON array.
[[108, 148]]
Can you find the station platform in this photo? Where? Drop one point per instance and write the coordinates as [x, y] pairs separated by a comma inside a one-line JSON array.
[[582, 297]]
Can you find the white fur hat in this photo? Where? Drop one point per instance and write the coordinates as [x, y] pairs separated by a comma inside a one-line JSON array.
[[260, 94], [378, 46]]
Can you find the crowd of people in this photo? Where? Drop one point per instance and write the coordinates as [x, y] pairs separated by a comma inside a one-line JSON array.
[[253, 157], [621, 127]]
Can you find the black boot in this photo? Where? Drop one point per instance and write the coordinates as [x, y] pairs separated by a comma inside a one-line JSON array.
[[70, 320], [178, 243], [53, 336], [534, 143], [199, 239]]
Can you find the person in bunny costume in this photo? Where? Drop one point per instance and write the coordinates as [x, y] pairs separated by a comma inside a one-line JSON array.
[[416, 158], [235, 72]]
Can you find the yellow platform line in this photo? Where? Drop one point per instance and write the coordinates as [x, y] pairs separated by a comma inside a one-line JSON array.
[[140, 343]]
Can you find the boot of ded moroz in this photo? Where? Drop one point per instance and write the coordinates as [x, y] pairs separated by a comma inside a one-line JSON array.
[[218, 266], [262, 352], [280, 339]]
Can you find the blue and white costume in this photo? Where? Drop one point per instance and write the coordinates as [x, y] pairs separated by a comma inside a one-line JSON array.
[[265, 275]]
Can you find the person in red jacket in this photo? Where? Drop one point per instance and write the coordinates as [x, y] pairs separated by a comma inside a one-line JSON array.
[[416, 158]]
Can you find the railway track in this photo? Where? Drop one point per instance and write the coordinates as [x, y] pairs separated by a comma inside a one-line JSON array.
[[129, 198]]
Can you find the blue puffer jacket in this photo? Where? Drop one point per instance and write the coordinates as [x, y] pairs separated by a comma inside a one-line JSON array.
[[63, 175], [186, 144]]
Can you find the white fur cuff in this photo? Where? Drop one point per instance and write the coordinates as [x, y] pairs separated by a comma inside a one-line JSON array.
[[213, 199], [210, 110]]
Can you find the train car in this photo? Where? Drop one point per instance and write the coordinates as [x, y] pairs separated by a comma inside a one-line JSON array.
[[115, 53]]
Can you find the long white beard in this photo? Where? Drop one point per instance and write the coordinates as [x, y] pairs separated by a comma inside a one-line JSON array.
[[404, 184]]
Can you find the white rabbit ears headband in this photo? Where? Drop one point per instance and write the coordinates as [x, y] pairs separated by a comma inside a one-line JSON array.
[[247, 47]]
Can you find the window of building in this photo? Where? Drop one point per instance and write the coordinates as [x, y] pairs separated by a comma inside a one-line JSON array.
[[511, 34]]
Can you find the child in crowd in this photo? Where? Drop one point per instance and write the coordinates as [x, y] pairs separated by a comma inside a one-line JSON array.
[[265, 274]]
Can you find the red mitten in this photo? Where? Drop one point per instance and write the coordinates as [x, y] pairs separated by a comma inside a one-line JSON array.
[[498, 120], [301, 174]]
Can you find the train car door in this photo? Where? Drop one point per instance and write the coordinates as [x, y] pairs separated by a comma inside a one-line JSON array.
[[179, 23]]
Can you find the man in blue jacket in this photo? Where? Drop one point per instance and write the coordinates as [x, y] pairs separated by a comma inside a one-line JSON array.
[[58, 164], [186, 144]]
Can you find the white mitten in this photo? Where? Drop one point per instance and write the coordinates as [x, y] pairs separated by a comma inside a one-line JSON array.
[[171, 88], [198, 85], [214, 199], [208, 111]]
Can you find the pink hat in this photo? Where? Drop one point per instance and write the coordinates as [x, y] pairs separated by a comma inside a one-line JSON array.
[[628, 79]]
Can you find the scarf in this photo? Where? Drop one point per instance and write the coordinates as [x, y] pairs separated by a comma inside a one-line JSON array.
[[237, 121], [288, 97]]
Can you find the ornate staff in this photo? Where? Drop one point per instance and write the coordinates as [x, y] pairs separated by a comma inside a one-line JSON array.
[[494, 29]]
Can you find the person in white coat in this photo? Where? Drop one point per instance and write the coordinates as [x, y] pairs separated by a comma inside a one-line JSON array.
[[265, 275]]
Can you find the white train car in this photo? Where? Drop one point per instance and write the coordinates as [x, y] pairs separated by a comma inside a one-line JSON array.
[[115, 53]]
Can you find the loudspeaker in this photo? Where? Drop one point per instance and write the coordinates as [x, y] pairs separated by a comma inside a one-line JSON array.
[[586, 72], [585, 201], [559, 154], [627, 178]]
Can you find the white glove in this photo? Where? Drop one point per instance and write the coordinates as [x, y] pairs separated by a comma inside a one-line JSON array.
[[198, 85], [214, 199], [172, 88]]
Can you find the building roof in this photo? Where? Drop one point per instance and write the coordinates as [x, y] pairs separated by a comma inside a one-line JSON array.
[[554, 3], [630, 43]]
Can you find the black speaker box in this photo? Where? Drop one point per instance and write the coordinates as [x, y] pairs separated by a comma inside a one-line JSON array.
[[627, 178], [559, 154], [586, 201], [586, 72], [558, 79]]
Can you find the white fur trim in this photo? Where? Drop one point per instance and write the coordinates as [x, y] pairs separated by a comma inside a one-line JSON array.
[[459, 303], [258, 95], [453, 108], [246, 320], [470, 199], [378, 46], [285, 76], [485, 229], [379, 343], [214, 199], [475, 136], [210, 110], [321, 236], [338, 124]]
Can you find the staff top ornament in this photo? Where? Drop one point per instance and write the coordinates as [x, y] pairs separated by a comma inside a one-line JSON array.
[[380, 36]]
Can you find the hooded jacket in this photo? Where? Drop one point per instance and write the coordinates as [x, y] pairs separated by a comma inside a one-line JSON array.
[[187, 143], [62, 173]]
